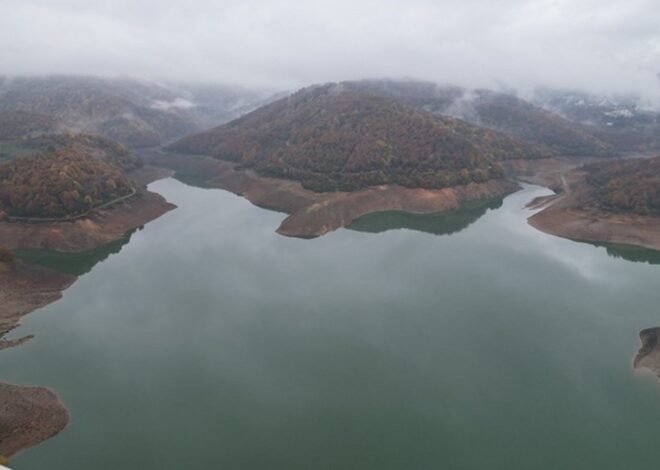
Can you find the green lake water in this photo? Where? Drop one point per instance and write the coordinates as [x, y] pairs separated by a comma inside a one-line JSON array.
[[464, 341]]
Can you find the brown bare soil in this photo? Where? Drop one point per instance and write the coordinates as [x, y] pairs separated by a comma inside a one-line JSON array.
[[24, 288], [340, 209], [85, 234], [545, 171], [314, 214], [28, 416], [648, 356], [573, 214]]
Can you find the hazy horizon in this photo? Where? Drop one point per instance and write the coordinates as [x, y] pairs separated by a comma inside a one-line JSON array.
[[601, 47]]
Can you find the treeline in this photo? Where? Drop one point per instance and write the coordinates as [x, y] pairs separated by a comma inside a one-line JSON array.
[[105, 149], [98, 146], [62, 183], [628, 185], [331, 138]]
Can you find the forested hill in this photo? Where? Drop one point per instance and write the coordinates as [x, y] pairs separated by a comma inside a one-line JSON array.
[[63, 183], [15, 124], [97, 146], [498, 111], [628, 185], [136, 113], [334, 137]]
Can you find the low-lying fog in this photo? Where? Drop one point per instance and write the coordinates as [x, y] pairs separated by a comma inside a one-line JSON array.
[[602, 46]]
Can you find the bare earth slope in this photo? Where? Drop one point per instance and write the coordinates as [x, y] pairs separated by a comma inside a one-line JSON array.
[[314, 214], [648, 356], [24, 288], [28, 416], [576, 214], [102, 227]]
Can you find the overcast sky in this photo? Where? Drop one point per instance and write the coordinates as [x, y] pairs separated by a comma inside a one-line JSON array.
[[601, 45]]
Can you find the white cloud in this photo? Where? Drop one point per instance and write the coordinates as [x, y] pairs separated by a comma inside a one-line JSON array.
[[606, 45]]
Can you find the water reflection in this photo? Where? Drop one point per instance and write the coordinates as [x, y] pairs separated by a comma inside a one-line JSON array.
[[194, 179], [632, 253], [76, 264], [403, 350], [444, 223]]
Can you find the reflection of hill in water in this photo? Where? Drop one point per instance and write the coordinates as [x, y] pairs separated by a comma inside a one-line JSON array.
[[632, 253], [74, 263], [444, 223], [194, 179]]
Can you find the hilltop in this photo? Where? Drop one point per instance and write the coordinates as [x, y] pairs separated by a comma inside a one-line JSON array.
[[62, 183], [338, 138]]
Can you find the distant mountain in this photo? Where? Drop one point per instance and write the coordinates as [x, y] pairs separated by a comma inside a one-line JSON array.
[[96, 146], [344, 137], [135, 113], [624, 122], [15, 124], [498, 111]]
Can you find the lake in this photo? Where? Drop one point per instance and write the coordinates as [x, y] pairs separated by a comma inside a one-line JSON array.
[[464, 341]]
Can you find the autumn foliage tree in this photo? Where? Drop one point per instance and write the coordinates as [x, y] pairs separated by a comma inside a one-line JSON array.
[[628, 185], [336, 138], [62, 183]]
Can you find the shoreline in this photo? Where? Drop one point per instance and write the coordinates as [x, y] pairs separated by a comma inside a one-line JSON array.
[[31, 415], [25, 288], [648, 356], [313, 214], [28, 416], [104, 226], [570, 214]]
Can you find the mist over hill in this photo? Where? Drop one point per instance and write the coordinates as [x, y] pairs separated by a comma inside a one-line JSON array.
[[134, 112], [343, 137]]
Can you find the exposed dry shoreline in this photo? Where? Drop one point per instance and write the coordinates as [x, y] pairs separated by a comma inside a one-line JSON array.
[[314, 214], [25, 288], [571, 214], [28, 416], [86, 234], [648, 356]]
